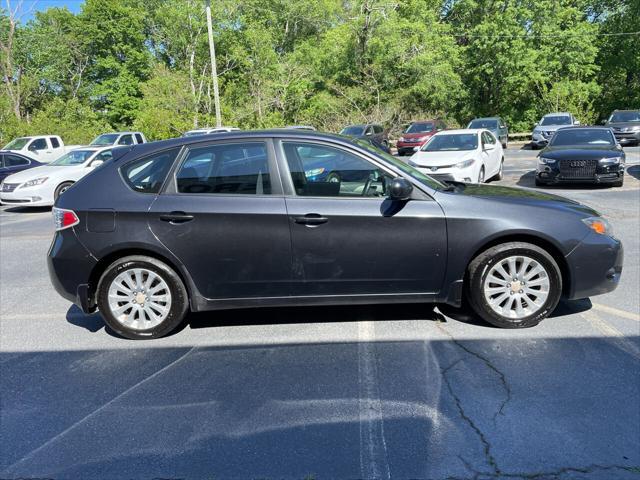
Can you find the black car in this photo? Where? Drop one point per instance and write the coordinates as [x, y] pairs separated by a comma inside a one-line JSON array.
[[11, 162], [581, 155], [242, 220], [626, 126]]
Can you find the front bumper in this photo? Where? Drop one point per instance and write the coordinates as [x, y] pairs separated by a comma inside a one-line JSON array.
[[25, 198], [627, 138], [551, 174], [70, 266], [451, 174], [595, 266], [406, 148]]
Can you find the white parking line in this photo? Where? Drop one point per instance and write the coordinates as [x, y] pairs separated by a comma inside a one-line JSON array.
[[617, 312]]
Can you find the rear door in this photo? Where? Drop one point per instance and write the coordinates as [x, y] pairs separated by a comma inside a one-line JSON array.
[[13, 164], [348, 238], [224, 216]]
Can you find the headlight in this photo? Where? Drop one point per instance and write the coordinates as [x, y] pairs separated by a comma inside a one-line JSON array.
[[401, 139], [465, 164], [546, 161], [610, 161], [598, 225], [314, 172], [635, 128], [34, 182], [423, 139]]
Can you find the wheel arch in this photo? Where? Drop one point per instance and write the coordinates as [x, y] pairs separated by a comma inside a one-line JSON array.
[[536, 240], [111, 257]]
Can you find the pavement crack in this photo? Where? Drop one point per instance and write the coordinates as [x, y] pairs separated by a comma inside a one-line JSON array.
[[489, 364], [483, 439]]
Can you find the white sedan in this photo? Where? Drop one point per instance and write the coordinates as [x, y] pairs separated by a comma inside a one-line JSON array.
[[470, 155], [41, 186]]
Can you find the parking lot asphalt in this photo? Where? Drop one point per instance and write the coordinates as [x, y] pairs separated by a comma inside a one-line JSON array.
[[335, 392]]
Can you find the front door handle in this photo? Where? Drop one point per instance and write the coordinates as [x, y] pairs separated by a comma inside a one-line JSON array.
[[311, 219], [176, 217]]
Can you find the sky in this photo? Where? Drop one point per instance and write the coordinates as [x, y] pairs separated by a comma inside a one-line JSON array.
[[29, 7]]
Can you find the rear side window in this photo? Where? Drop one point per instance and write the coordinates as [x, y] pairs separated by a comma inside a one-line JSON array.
[[54, 142], [139, 138], [226, 169], [148, 174]]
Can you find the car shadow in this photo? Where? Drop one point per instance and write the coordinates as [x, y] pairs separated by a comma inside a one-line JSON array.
[[634, 171], [27, 209], [329, 314]]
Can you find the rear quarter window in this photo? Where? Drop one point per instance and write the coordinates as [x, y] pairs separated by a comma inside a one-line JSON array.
[[147, 174]]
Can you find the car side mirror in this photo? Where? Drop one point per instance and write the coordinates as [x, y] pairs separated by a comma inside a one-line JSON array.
[[604, 122], [576, 122], [400, 189], [96, 163], [415, 149], [368, 134]]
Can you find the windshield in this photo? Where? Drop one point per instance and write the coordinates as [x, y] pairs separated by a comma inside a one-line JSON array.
[[488, 124], [556, 120], [625, 117], [16, 144], [405, 168], [75, 157], [452, 143], [106, 139], [420, 128], [353, 130], [591, 136]]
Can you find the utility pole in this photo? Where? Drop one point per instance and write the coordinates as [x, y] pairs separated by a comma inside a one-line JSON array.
[[214, 68]]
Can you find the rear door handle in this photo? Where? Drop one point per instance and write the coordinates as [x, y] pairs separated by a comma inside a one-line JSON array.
[[176, 217], [311, 219]]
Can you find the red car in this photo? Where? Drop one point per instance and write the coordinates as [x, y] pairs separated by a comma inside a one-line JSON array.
[[417, 133]]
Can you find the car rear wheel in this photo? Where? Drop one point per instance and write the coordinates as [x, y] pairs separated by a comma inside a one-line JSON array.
[[500, 174], [63, 187], [514, 285], [141, 298]]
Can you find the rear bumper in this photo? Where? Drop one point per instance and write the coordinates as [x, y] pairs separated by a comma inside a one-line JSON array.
[[70, 266], [595, 266]]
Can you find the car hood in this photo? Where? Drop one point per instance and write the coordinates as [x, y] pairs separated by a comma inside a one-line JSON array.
[[417, 135], [525, 196], [441, 159], [592, 152], [37, 172]]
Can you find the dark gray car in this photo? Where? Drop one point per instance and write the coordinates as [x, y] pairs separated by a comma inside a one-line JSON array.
[[275, 218], [495, 125], [372, 131], [626, 126]]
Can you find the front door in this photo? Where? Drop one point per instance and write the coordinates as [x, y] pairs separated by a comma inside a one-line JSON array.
[[224, 219], [348, 237]]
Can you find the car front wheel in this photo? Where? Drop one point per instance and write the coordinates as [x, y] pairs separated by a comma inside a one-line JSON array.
[[514, 285], [141, 297]]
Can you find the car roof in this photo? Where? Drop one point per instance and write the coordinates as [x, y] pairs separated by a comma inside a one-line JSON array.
[[486, 118], [557, 114], [152, 147], [632, 110], [462, 130], [585, 127]]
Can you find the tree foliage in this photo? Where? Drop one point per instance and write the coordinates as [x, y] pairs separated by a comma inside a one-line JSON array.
[[145, 64]]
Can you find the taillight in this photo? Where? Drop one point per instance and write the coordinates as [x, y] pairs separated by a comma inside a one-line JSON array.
[[64, 218]]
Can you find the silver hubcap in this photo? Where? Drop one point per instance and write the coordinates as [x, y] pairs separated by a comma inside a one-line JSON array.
[[516, 287], [139, 299], [481, 177]]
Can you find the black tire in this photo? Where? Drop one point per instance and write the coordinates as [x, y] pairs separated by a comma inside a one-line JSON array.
[[179, 297], [61, 189], [479, 268], [534, 146], [539, 183], [500, 174], [619, 183], [505, 145], [334, 177]]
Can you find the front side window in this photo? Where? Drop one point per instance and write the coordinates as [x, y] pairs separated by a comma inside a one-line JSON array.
[[139, 138], [148, 174], [452, 143], [324, 171], [74, 157], [15, 161], [126, 140], [39, 144], [226, 169], [488, 138], [102, 157]]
